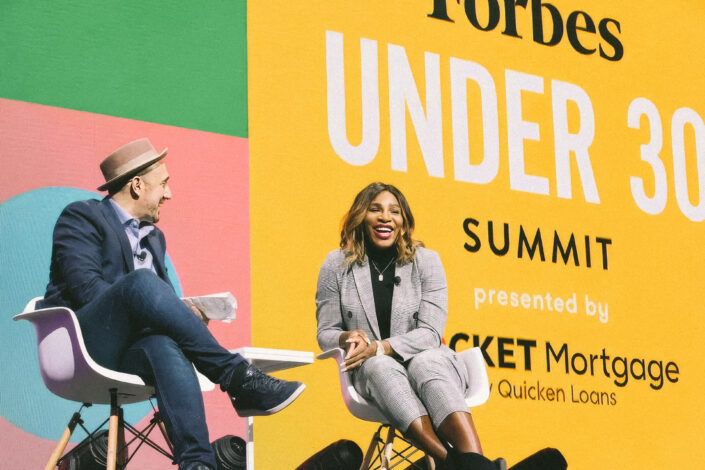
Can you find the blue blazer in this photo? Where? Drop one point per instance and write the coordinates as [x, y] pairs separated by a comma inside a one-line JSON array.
[[90, 252]]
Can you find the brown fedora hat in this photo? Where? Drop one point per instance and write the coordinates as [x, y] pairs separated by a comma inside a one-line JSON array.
[[129, 160]]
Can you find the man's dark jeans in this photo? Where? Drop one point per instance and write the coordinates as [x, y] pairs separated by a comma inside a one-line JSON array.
[[140, 326]]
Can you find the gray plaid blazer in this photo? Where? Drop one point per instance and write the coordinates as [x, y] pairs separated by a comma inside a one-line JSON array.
[[344, 301]]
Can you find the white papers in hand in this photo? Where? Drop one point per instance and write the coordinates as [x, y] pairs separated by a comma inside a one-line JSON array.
[[219, 307]]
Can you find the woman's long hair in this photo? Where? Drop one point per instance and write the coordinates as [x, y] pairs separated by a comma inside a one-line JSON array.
[[352, 235]]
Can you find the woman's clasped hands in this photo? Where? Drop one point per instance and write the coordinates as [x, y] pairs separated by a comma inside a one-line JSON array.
[[358, 348]]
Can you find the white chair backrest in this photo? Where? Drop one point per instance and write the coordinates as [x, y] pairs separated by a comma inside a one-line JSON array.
[[58, 349], [479, 386], [69, 371], [65, 365]]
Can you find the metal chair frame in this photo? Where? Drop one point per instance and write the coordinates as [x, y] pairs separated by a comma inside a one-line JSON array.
[[122, 453], [381, 453]]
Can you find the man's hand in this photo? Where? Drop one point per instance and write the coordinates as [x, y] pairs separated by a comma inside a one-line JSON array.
[[197, 312]]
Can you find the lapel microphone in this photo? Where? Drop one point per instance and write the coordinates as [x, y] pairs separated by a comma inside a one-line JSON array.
[[397, 280], [142, 255]]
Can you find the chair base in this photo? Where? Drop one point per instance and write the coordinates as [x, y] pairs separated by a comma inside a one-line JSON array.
[[118, 454], [382, 455]]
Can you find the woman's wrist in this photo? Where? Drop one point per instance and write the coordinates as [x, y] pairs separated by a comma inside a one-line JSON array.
[[342, 339]]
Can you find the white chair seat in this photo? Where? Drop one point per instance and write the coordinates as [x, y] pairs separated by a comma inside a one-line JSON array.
[[477, 394]]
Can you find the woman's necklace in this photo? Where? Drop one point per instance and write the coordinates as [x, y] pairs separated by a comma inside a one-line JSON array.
[[381, 273]]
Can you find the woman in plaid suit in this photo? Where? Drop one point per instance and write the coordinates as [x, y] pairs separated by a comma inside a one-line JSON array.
[[383, 297]]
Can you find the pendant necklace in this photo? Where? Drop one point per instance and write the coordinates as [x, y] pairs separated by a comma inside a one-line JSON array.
[[381, 273]]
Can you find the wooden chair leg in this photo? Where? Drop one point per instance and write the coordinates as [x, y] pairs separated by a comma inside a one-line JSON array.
[[371, 450], [387, 450], [61, 445], [113, 431], [157, 418], [122, 450]]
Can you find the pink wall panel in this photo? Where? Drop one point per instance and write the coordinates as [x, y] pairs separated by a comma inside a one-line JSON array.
[[206, 223]]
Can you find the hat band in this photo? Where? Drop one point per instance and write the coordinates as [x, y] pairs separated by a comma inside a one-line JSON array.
[[132, 164]]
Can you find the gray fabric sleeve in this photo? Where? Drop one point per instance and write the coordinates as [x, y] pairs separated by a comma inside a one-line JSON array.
[[328, 310]]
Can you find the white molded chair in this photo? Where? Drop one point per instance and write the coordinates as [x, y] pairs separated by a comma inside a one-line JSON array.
[[69, 372], [477, 394]]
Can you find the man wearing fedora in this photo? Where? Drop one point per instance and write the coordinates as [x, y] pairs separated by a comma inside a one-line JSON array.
[[107, 264]]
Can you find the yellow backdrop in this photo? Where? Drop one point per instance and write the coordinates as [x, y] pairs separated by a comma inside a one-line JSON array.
[[483, 126]]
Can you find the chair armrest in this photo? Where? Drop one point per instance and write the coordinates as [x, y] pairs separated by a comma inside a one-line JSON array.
[[43, 314], [336, 353], [32, 304], [29, 312]]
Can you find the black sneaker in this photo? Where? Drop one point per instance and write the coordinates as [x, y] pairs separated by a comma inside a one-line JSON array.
[[259, 394]]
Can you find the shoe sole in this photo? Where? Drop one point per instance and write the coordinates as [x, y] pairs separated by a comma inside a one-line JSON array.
[[276, 409]]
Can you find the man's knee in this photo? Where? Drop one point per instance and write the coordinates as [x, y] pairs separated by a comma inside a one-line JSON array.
[[142, 287], [137, 282]]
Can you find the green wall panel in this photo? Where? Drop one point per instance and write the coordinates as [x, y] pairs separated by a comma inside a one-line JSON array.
[[182, 63]]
